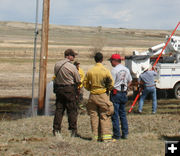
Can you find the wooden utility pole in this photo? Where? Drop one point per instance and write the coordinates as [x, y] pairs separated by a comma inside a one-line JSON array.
[[43, 57]]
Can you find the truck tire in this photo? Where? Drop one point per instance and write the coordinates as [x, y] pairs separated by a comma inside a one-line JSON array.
[[177, 91]]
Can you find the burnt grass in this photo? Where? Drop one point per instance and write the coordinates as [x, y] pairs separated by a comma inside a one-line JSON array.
[[18, 107], [14, 107]]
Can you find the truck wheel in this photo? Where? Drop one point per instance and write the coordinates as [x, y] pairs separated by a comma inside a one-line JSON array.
[[177, 91]]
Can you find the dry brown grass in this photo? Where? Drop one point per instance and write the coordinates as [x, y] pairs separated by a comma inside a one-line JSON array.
[[33, 136]]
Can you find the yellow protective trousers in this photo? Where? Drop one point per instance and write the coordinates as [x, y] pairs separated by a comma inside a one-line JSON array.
[[100, 110]]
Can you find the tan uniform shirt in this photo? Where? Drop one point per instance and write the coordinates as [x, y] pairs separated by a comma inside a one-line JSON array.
[[68, 74]]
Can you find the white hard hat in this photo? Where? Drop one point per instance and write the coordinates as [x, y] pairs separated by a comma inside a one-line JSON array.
[[144, 68]]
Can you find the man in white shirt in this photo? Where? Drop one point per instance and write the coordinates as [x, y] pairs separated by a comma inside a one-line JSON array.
[[122, 80]]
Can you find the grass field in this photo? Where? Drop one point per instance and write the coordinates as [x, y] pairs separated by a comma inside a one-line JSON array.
[[25, 135], [33, 136]]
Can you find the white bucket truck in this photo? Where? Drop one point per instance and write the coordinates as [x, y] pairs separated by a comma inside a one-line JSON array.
[[168, 67]]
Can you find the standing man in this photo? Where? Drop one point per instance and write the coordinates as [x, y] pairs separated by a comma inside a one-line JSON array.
[[97, 80], [146, 79], [67, 78], [80, 96], [122, 78]]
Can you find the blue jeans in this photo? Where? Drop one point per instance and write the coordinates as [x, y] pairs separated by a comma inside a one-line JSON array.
[[145, 92], [119, 100]]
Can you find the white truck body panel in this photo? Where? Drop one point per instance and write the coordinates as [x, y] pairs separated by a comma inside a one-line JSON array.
[[168, 75], [168, 70]]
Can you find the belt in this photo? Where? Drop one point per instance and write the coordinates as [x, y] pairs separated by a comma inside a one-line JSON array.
[[67, 85], [121, 91], [150, 85]]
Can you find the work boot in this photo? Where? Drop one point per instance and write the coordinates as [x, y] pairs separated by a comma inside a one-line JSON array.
[[124, 137], [95, 138], [109, 140], [74, 133], [57, 134], [140, 111]]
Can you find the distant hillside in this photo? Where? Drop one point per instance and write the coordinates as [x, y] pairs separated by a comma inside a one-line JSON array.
[[17, 38]]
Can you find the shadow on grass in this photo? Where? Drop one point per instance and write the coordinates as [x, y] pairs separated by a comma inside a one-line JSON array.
[[84, 138], [171, 138]]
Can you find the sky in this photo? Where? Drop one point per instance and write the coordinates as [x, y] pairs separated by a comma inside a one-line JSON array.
[[138, 14]]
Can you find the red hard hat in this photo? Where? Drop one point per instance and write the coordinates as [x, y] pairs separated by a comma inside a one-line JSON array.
[[115, 57]]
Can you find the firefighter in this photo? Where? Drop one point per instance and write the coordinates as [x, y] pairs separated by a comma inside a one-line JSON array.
[[98, 80], [80, 96], [65, 83]]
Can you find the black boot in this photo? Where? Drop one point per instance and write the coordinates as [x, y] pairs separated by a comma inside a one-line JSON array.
[[55, 132], [74, 133]]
